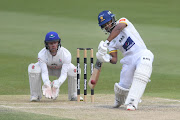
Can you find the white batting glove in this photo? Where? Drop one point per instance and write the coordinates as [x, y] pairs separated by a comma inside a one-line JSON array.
[[102, 48], [55, 89], [103, 58], [46, 88], [106, 43]]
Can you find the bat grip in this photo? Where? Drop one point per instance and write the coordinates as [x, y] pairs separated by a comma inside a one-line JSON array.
[[98, 64]]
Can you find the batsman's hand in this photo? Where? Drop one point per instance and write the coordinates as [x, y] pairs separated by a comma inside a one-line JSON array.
[[103, 58], [102, 48], [46, 88], [55, 89]]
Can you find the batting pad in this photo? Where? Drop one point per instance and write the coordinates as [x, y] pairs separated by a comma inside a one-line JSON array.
[[72, 83], [34, 72], [140, 80], [120, 95], [72, 88]]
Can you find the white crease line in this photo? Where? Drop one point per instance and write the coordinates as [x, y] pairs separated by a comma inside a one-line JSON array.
[[74, 107], [169, 100], [6, 106], [34, 103], [19, 103]]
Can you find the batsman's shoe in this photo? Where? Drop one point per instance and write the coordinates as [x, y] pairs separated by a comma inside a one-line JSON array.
[[131, 107], [75, 99], [34, 99], [116, 104]]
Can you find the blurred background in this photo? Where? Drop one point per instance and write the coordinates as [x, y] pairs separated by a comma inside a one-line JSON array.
[[24, 24]]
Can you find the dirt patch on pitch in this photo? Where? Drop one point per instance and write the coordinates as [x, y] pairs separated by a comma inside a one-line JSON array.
[[101, 109]]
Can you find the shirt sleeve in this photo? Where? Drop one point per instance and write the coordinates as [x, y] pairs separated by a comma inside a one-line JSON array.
[[112, 47], [65, 67], [123, 20], [44, 69], [64, 70]]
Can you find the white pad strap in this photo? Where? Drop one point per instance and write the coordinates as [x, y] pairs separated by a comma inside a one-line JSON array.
[[141, 78], [34, 72]]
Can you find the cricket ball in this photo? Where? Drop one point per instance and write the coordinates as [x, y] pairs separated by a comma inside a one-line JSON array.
[[93, 82]]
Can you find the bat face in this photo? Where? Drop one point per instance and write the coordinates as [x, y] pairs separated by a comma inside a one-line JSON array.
[[95, 75]]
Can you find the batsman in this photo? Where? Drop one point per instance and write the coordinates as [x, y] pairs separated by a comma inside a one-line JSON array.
[[53, 60], [136, 62]]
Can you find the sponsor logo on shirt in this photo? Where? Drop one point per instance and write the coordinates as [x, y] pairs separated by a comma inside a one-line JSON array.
[[121, 38], [122, 20], [128, 44], [145, 58]]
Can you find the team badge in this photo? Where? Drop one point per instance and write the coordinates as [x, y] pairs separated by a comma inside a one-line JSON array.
[[33, 67], [60, 60], [51, 36], [102, 19]]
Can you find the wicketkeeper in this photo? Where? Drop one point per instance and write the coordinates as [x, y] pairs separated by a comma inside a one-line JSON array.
[[137, 60], [53, 60]]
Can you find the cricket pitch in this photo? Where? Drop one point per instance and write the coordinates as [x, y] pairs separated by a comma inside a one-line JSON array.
[[150, 108]]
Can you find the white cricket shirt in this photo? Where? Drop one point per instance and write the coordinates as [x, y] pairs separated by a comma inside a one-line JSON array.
[[61, 61], [128, 41]]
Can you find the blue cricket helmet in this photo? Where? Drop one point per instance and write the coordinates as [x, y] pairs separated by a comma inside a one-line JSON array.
[[51, 37], [104, 17]]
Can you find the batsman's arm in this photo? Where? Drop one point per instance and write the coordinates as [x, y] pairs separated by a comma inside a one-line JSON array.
[[114, 56], [95, 75], [115, 32]]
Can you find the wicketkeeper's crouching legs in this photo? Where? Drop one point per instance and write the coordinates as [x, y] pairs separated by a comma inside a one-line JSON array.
[[34, 72]]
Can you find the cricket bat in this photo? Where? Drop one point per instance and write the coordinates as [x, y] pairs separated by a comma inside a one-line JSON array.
[[95, 74]]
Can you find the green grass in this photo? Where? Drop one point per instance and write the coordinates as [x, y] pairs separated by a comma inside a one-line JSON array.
[[9, 114], [24, 24]]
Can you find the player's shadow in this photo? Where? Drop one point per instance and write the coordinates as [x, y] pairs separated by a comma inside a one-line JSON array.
[[110, 107]]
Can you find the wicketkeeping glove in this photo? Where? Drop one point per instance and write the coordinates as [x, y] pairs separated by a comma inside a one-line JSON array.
[[55, 89], [46, 88]]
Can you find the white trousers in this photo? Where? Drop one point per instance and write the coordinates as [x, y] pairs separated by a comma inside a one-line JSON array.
[[57, 72], [129, 67]]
